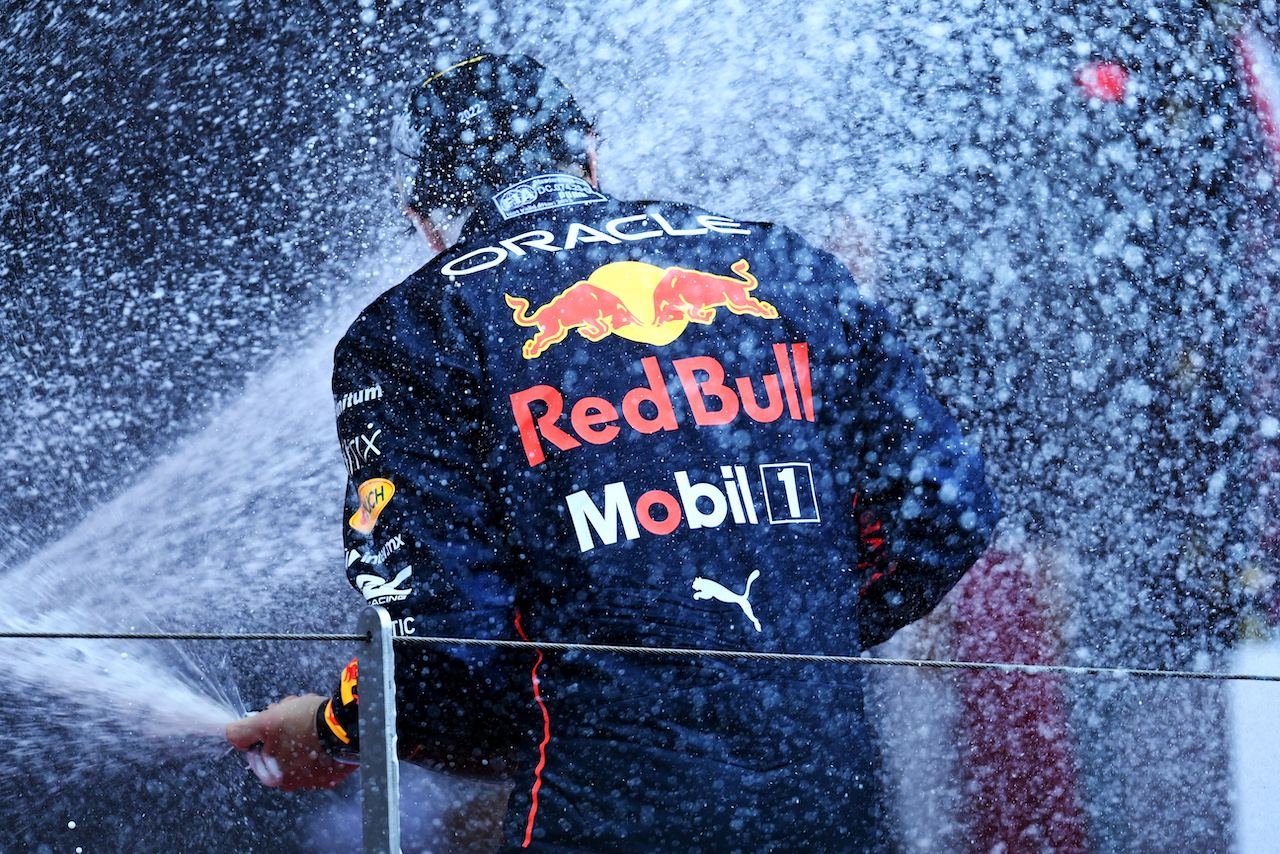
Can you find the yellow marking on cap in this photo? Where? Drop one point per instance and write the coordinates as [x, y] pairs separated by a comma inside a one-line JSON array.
[[462, 64]]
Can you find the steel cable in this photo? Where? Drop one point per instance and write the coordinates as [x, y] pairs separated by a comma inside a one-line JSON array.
[[679, 652]]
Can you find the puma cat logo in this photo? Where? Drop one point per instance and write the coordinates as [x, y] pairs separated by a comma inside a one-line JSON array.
[[705, 588]]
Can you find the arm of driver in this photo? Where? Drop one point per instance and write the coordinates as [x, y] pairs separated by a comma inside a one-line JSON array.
[[286, 733]]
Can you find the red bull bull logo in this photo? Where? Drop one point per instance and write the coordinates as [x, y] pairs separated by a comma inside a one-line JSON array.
[[639, 302]]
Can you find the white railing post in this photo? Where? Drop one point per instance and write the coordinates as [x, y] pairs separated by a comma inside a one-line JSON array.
[[379, 765]]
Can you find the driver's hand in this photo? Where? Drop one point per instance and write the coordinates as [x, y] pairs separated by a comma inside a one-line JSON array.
[[282, 748]]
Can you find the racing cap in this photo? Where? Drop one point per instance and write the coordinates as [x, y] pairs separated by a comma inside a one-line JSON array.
[[481, 124]]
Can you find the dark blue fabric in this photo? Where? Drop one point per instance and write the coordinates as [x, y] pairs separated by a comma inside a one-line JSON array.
[[745, 457], [752, 760]]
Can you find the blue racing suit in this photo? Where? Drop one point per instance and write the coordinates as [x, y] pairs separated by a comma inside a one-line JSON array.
[[643, 424]]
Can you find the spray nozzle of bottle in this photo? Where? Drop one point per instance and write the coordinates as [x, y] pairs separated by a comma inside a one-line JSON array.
[[266, 767]]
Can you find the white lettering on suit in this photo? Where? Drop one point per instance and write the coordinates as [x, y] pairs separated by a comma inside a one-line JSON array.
[[358, 451], [378, 590], [578, 234]]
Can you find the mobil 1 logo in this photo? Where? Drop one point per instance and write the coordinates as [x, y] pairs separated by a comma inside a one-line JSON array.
[[784, 491]]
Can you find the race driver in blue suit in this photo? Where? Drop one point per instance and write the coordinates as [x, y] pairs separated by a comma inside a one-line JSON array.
[[627, 423]]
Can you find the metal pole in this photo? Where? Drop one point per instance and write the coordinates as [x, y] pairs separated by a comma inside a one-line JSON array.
[[379, 766]]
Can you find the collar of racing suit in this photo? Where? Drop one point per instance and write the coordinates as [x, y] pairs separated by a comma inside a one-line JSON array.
[[530, 195]]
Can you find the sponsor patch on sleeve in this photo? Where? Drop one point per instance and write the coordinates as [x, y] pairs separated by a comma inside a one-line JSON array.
[[336, 728], [374, 496]]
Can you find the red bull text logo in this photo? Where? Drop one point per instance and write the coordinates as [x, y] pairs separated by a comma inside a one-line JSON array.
[[710, 396], [639, 302]]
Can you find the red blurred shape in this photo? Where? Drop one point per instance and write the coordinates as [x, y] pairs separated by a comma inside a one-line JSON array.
[[1019, 761], [1106, 81]]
